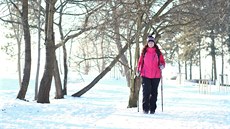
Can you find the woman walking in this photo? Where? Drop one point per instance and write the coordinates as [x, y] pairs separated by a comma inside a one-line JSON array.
[[150, 64]]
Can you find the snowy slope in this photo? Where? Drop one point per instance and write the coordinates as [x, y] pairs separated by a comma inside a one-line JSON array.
[[104, 107]]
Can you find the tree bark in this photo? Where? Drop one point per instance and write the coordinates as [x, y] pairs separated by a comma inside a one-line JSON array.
[[200, 72], [222, 62], [190, 68], [134, 92], [213, 55], [45, 85], [39, 53], [185, 69], [57, 79], [65, 70], [27, 38]]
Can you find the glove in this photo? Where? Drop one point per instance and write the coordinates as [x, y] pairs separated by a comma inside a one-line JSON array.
[[161, 66], [138, 73]]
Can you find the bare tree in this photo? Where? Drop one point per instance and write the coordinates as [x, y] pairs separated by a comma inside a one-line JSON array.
[[45, 85], [130, 41], [135, 87], [59, 94], [27, 38], [80, 30], [39, 51]]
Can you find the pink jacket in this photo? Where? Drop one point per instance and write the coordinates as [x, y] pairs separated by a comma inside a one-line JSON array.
[[150, 67]]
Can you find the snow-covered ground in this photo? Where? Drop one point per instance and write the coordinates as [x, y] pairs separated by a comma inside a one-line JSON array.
[[105, 107]]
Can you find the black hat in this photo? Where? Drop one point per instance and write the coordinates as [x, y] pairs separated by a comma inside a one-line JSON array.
[[151, 39]]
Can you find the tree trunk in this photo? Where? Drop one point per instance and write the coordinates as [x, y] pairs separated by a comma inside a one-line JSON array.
[[179, 75], [134, 92], [123, 57], [57, 79], [27, 38], [190, 65], [185, 69], [102, 74], [222, 61], [135, 82], [39, 53], [200, 60], [103, 62], [213, 55], [65, 70], [19, 61], [45, 85]]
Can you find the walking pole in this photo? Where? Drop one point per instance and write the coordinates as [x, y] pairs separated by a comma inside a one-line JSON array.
[[138, 104], [135, 79], [161, 92]]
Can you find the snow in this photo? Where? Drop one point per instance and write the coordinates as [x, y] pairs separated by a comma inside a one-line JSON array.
[[105, 107]]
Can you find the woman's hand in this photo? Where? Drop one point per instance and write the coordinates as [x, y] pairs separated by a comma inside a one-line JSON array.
[[137, 73], [161, 66]]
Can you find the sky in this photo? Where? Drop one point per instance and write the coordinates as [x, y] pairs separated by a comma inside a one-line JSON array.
[[186, 106]]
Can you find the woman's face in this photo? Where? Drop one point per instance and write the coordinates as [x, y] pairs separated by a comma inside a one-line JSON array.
[[151, 44]]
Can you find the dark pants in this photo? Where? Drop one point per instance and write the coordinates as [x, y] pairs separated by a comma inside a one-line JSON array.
[[150, 91]]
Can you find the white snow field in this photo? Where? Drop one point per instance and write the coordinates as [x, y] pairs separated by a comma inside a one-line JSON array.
[[105, 107]]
